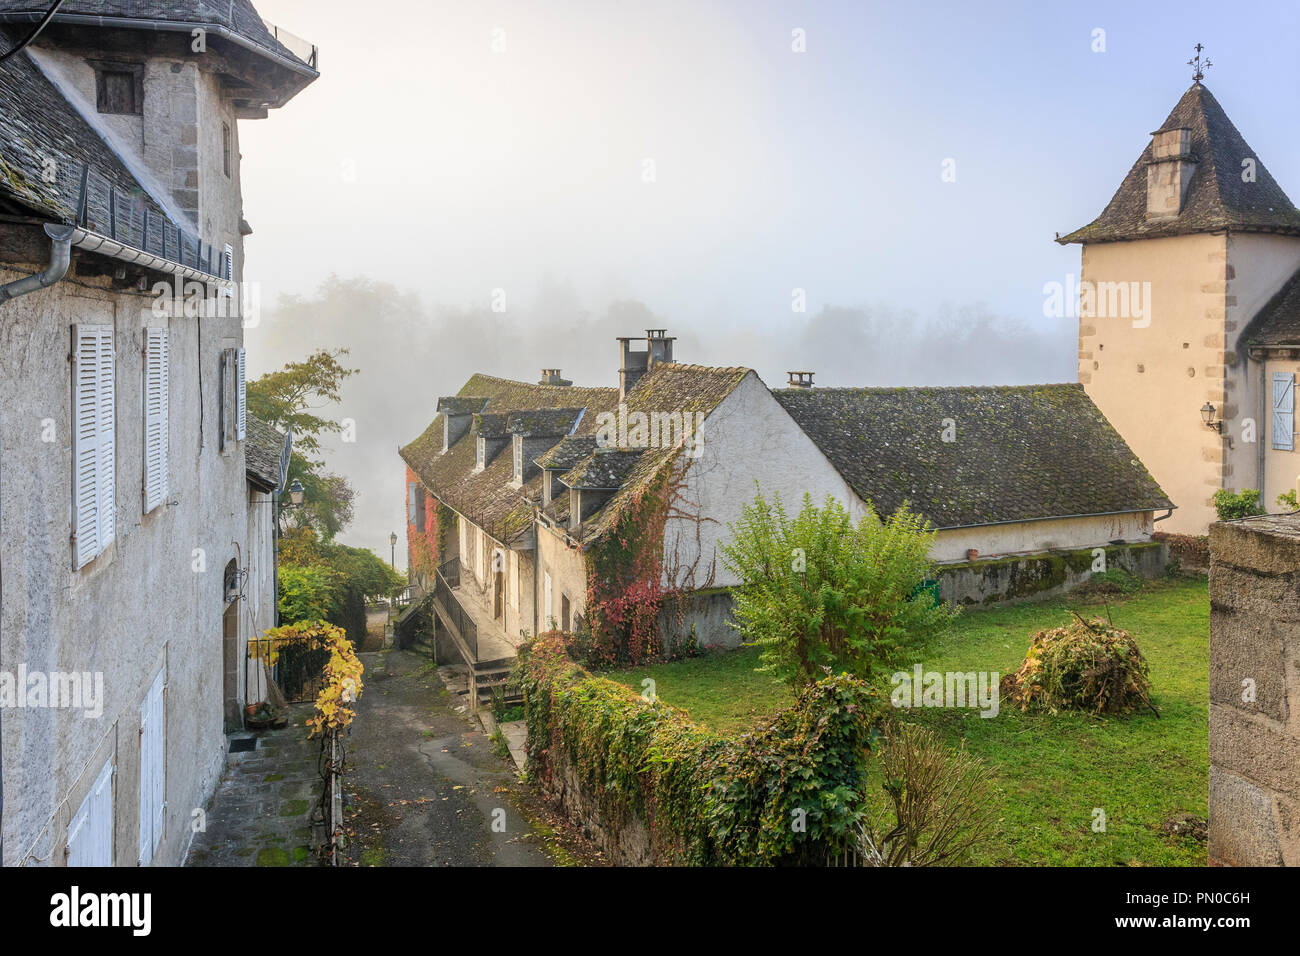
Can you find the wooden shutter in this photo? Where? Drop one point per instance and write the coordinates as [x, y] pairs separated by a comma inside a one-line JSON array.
[[107, 440], [241, 413], [1284, 411], [410, 501], [93, 465], [156, 361], [90, 834], [153, 787]]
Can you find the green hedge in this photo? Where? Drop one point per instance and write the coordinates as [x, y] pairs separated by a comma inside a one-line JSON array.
[[788, 793]]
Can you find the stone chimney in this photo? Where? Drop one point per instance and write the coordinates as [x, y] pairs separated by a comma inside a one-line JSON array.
[[633, 363], [1169, 172], [551, 376], [800, 379]]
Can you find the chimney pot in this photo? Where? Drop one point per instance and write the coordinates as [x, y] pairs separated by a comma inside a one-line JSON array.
[[801, 379]]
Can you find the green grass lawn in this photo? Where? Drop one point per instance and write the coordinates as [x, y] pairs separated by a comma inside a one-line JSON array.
[[1050, 772]]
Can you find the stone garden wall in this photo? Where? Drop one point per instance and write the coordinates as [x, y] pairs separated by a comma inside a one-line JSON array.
[[1254, 685]]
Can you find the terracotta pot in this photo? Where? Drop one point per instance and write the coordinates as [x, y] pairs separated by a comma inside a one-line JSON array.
[[972, 554]]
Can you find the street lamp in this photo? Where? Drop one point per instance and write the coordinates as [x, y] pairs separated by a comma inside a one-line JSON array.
[[392, 559], [296, 492]]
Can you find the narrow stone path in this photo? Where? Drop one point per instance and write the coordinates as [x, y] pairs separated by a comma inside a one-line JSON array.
[[261, 813], [426, 786]]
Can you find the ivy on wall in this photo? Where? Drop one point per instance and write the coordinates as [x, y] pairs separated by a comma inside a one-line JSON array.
[[636, 584], [790, 792]]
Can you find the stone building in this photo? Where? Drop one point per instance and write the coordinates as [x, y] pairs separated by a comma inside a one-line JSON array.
[[128, 534], [518, 494], [1188, 311]]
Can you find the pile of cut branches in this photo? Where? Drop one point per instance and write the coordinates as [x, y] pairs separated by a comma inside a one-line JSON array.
[[1086, 665]]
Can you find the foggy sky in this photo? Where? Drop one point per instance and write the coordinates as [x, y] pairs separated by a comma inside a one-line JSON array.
[[433, 173]]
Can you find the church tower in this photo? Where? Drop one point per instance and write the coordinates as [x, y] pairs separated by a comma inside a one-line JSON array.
[[1176, 275]]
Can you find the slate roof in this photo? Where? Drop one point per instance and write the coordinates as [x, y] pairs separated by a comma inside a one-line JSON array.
[[239, 16], [486, 497], [605, 470], [1217, 198], [1021, 452], [1277, 324], [36, 124], [263, 447], [488, 500], [568, 452], [543, 423], [488, 425], [462, 404]]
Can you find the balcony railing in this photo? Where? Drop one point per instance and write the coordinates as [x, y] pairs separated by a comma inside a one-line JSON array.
[[448, 578]]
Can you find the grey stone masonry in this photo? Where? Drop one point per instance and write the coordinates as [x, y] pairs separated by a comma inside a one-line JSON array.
[[1254, 685]]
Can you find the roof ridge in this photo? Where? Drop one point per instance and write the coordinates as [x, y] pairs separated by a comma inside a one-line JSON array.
[[924, 388]]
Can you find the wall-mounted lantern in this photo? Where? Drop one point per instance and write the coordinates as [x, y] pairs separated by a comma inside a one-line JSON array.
[[1207, 416], [296, 492]]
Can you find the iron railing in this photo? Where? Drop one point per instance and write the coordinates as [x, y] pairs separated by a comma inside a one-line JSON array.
[[299, 669], [447, 578]]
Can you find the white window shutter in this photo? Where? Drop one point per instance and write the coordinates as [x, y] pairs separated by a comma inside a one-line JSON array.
[[93, 464], [1284, 411], [156, 363], [152, 771], [90, 834], [241, 415], [107, 511], [85, 444]]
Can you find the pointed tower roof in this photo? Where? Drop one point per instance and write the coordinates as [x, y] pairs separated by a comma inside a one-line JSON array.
[[1217, 197]]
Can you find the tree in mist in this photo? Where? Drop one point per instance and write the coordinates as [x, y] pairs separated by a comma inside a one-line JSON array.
[[289, 399]]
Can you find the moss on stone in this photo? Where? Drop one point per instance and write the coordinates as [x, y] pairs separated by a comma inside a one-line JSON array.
[[272, 856]]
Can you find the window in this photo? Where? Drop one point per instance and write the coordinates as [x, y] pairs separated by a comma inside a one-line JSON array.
[[94, 471], [119, 87], [412, 489], [153, 770], [234, 397], [90, 834], [156, 361], [225, 150], [564, 612], [1284, 411]]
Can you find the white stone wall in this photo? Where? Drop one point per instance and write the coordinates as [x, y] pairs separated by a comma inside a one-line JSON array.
[[153, 599], [751, 444], [1056, 534]]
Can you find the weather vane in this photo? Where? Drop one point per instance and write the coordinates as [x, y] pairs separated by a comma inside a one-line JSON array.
[[1201, 67]]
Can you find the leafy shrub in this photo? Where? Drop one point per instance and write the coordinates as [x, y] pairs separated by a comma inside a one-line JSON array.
[[819, 591], [941, 802], [1287, 499], [1242, 504], [1086, 665], [306, 593], [783, 794]]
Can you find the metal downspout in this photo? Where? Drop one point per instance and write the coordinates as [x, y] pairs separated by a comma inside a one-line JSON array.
[[60, 258]]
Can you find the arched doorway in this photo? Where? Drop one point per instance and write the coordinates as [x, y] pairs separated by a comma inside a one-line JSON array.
[[231, 657]]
